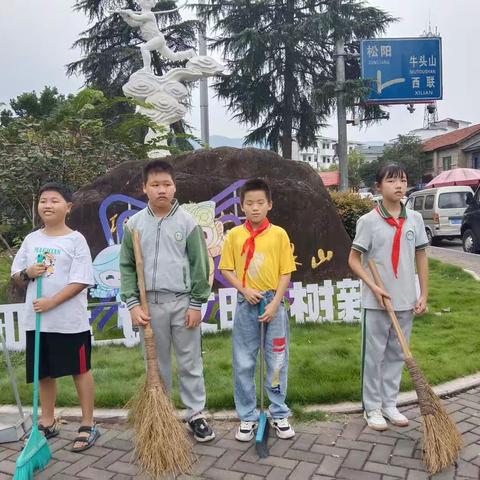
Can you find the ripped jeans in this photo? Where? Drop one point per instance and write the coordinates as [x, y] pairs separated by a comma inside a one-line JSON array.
[[246, 344]]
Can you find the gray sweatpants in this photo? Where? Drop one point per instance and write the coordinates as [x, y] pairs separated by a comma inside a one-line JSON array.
[[168, 314], [382, 357]]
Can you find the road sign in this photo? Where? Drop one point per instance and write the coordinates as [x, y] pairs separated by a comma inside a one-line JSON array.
[[403, 70]]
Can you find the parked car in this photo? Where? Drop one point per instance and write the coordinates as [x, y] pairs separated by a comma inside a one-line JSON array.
[[470, 228], [442, 210]]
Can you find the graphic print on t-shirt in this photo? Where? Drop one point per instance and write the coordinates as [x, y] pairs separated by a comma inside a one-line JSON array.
[[49, 262], [49, 259]]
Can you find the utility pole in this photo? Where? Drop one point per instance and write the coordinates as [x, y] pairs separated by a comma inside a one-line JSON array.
[[204, 125], [342, 145]]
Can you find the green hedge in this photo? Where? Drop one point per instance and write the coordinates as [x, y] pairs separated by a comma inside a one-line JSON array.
[[351, 207]]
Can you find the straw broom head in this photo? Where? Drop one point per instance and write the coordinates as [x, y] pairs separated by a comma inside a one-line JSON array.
[[161, 442], [441, 439]]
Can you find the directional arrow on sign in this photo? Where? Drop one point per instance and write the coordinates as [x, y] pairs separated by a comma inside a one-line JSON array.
[[381, 86]]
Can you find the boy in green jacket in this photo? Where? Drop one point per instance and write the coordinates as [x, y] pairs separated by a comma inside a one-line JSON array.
[[176, 272]]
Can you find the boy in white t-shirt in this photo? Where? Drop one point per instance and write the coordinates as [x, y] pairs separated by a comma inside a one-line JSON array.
[[65, 339]]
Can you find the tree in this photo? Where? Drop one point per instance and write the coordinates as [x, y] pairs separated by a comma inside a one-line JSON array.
[[30, 104], [368, 172], [36, 107], [333, 167], [73, 144], [355, 162], [406, 151], [281, 62]]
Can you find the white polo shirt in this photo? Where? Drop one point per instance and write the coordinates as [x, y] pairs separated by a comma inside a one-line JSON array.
[[374, 239]]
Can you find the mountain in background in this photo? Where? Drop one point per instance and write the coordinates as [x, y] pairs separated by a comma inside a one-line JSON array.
[[221, 141]]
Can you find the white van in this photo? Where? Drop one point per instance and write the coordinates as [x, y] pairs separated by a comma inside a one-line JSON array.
[[442, 210]]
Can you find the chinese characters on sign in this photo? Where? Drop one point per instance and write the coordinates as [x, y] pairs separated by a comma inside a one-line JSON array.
[[317, 303], [403, 70]]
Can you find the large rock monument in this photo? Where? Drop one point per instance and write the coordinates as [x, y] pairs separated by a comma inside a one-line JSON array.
[[207, 185]]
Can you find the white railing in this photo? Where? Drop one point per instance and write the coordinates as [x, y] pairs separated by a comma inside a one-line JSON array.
[[316, 303]]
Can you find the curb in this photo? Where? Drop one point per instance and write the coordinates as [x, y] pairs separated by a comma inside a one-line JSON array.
[[119, 415]]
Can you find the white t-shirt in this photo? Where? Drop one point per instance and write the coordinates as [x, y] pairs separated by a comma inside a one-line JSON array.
[[68, 260]]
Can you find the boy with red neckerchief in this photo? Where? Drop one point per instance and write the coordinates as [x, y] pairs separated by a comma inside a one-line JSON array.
[[395, 239], [257, 260]]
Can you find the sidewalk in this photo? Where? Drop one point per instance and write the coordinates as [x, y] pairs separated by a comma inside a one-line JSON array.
[[468, 261], [344, 449]]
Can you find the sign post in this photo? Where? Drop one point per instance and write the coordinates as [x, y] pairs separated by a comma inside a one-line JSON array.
[[402, 70]]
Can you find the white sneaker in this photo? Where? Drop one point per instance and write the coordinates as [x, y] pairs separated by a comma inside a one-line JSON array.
[[395, 417], [246, 431], [282, 427], [375, 420]]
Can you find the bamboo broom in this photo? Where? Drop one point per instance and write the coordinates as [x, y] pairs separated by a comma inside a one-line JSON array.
[[161, 442], [441, 440]]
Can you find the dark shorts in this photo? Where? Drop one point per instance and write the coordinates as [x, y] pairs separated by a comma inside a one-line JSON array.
[[61, 354]]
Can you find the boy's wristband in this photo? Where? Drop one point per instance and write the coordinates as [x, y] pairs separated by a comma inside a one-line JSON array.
[[24, 275]]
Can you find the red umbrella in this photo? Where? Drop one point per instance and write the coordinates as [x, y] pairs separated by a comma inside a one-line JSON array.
[[457, 176]]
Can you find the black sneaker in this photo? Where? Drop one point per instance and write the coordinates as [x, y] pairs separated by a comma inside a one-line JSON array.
[[202, 432]]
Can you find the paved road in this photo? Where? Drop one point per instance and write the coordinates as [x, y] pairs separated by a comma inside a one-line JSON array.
[[344, 449], [452, 244]]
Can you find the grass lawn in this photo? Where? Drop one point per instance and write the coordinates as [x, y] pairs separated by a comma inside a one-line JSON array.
[[324, 358], [5, 264]]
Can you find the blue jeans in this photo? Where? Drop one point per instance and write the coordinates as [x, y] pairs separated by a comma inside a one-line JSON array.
[[246, 343]]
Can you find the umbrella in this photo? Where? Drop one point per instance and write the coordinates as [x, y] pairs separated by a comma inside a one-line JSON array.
[[457, 176]]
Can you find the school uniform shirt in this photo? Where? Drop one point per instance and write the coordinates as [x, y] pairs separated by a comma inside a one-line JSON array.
[[68, 260], [374, 239], [273, 257]]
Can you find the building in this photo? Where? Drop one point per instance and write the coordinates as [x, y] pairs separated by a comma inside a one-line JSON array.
[[371, 151], [330, 179], [439, 127], [459, 148], [323, 154]]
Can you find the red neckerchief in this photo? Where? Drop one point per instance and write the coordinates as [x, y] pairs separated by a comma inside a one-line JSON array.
[[396, 239], [249, 245]]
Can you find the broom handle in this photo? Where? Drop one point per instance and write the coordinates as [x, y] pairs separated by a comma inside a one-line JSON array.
[[153, 374], [261, 311], [137, 250], [388, 304], [36, 360]]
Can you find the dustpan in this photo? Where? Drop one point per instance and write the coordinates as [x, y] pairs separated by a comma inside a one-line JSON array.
[[13, 427]]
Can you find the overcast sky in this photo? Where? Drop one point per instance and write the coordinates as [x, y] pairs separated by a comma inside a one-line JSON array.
[[36, 39]]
